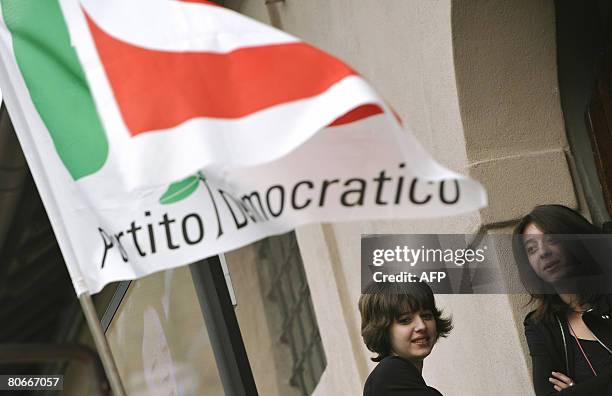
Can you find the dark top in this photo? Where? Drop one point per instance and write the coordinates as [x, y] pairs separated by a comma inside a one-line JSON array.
[[550, 346], [395, 376], [598, 356]]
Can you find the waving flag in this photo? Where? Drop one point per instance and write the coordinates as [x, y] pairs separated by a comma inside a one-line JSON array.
[[160, 132]]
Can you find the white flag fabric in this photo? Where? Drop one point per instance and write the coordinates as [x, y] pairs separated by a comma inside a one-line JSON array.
[[161, 132]]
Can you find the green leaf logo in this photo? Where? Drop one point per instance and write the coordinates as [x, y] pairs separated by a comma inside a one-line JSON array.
[[180, 190]]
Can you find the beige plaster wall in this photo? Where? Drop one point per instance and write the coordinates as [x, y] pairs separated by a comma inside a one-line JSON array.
[[512, 120], [505, 58], [476, 81], [510, 106]]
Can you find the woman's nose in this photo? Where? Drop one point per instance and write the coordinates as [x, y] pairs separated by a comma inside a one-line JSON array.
[[419, 323], [545, 249]]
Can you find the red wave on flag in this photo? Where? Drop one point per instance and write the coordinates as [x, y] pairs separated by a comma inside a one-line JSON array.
[[357, 114], [160, 89], [361, 112], [201, 2]]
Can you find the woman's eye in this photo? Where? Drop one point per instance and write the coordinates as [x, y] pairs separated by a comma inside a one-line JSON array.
[[406, 320], [531, 250], [427, 316]]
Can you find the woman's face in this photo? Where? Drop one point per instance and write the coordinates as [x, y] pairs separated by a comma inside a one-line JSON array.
[[546, 255], [413, 335]]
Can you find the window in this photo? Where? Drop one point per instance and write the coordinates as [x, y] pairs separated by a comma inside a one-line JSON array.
[[295, 324], [276, 316]]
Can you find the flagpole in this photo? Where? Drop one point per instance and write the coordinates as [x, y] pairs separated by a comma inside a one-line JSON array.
[[101, 344]]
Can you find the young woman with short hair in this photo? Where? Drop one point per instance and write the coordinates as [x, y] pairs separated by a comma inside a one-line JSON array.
[[401, 324]]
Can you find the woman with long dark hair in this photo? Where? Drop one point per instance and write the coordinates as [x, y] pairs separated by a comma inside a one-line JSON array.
[[569, 333], [401, 324]]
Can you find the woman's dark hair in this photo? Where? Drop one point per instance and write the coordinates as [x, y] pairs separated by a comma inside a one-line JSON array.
[[384, 303], [557, 220]]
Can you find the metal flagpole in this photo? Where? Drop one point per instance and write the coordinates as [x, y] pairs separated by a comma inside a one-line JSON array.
[[101, 344]]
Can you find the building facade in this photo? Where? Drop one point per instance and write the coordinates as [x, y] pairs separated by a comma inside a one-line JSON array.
[[487, 89]]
